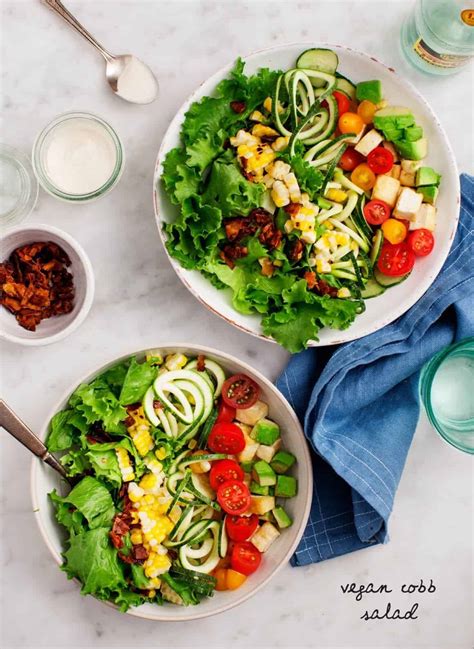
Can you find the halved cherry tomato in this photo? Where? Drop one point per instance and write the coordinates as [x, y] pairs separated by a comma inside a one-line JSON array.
[[245, 558], [226, 438], [363, 177], [235, 579], [224, 470], [221, 575], [350, 123], [396, 260], [240, 528], [240, 391], [366, 110], [225, 412], [350, 159], [234, 497], [394, 231], [376, 212], [421, 241], [343, 103], [380, 160]]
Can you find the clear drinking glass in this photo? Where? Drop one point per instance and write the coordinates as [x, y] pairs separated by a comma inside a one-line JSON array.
[[447, 392]]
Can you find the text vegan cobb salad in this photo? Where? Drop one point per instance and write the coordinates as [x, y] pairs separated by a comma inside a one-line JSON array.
[[181, 479], [303, 193]]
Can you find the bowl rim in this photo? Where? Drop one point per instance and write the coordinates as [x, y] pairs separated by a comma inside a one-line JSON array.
[[211, 351], [89, 290], [346, 336]]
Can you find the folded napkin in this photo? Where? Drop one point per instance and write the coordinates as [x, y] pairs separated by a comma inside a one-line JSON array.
[[358, 403]]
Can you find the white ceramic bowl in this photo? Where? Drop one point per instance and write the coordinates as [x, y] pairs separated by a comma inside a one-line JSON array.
[[56, 328], [43, 480], [384, 309]]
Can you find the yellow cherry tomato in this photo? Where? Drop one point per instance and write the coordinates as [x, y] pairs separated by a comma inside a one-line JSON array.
[[363, 177], [221, 575], [350, 123], [234, 579], [394, 231], [366, 111]]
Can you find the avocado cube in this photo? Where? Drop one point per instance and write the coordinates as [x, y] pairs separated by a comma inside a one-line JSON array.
[[427, 176], [393, 134], [282, 518], [370, 90], [393, 117], [246, 467], [267, 517], [286, 486], [323, 203], [263, 474], [413, 150], [282, 461], [258, 490], [265, 432], [429, 193], [413, 133]]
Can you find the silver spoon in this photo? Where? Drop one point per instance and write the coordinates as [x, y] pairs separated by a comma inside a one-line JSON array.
[[128, 77], [21, 432]]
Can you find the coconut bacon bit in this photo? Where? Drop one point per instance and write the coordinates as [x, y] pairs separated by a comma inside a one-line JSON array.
[[35, 283]]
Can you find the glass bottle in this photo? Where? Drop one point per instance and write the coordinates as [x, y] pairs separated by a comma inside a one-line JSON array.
[[438, 36]]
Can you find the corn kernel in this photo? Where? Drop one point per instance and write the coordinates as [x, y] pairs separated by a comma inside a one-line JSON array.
[[161, 453], [175, 361], [136, 537], [343, 292], [267, 104], [328, 225], [260, 130], [336, 195], [280, 194], [280, 143], [257, 116]]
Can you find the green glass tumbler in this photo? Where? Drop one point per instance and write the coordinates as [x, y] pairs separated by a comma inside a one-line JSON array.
[[447, 393]]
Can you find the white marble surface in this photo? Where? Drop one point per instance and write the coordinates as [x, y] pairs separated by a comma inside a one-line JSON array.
[[47, 70]]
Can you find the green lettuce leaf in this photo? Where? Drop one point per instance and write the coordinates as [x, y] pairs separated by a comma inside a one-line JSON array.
[[180, 180], [70, 518], [309, 179], [228, 190], [75, 462], [92, 558], [66, 428], [105, 465], [115, 376], [93, 500], [138, 379], [96, 402]]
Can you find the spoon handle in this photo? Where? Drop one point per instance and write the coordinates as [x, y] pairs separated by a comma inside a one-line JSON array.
[[61, 10], [20, 431]]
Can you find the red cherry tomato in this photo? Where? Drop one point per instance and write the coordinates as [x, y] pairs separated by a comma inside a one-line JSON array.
[[396, 260], [240, 391], [376, 212], [421, 242], [224, 470], [245, 558], [380, 160], [225, 412], [350, 159], [343, 103], [240, 528], [226, 438], [234, 498]]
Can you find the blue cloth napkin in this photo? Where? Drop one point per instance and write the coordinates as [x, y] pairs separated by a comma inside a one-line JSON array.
[[359, 404]]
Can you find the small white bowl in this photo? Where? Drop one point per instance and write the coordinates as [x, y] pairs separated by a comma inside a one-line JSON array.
[[44, 480], [55, 328]]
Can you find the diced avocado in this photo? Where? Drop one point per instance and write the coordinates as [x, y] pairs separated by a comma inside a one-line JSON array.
[[286, 486], [393, 134], [258, 490], [412, 133], [282, 518], [429, 193], [413, 150], [427, 176], [370, 90], [246, 467], [393, 117], [263, 474], [323, 203], [282, 461], [265, 432], [267, 517]]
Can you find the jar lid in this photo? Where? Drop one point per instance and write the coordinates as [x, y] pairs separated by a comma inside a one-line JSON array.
[[18, 186]]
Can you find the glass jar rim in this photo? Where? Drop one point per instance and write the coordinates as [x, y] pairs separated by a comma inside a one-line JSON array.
[[26, 199], [44, 179]]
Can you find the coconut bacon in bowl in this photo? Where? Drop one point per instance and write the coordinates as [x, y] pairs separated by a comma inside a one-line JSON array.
[[303, 193], [183, 480]]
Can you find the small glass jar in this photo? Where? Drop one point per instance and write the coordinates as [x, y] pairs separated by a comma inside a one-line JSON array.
[[66, 156], [447, 391], [18, 186]]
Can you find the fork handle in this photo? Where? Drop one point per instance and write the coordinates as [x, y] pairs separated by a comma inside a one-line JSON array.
[[22, 433], [58, 7]]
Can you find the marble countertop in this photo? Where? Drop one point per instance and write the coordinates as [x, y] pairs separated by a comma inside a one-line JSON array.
[[139, 302]]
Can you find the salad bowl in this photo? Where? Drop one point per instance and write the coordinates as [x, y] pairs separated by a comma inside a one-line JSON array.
[[43, 481], [386, 307]]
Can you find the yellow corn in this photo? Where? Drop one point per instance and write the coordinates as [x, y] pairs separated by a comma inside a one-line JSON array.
[[343, 292], [337, 195], [135, 493], [280, 194], [136, 537], [267, 104], [161, 453], [260, 130], [280, 143], [156, 564], [142, 439], [125, 465], [257, 116], [175, 361], [328, 225], [148, 482]]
